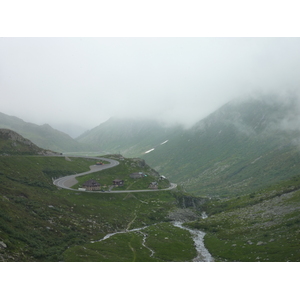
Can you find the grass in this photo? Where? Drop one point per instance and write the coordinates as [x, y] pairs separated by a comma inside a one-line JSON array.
[[40, 222], [167, 242], [231, 152], [262, 226], [171, 243]]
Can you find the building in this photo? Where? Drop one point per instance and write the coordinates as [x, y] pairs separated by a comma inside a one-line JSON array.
[[118, 182], [137, 175], [91, 185], [153, 185]]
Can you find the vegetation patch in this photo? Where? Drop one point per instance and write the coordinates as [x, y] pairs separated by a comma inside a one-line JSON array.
[[39, 222], [258, 227], [157, 243]]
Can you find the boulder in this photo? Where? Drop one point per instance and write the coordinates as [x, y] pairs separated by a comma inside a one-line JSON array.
[[3, 245]]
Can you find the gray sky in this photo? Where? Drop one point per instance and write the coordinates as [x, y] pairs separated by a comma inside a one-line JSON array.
[[75, 84]]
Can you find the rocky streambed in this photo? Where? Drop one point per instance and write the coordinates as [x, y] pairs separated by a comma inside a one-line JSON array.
[[198, 237]]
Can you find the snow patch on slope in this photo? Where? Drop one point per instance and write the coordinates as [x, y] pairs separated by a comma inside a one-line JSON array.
[[156, 146], [150, 150]]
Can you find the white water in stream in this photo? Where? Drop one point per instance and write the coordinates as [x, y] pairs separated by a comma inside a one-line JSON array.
[[198, 237]]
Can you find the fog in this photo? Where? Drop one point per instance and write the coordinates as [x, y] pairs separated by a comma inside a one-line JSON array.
[[74, 84]]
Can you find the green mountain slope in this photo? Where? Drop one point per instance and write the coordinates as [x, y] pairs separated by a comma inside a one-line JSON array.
[[243, 146], [128, 137], [262, 226], [11, 143], [40, 222], [43, 136]]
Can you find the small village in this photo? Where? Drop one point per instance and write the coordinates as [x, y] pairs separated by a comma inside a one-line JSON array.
[[93, 185]]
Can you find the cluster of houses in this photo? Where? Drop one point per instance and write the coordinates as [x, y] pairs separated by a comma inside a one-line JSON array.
[[137, 175], [93, 185]]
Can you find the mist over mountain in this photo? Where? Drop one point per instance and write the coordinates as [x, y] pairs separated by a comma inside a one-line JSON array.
[[85, 81], [244, 145], [131, 137], [240, 155], [43, 136], [248, 143]]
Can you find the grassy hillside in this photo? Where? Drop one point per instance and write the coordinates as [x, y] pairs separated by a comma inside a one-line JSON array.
[[261, 226], [122, 171], [11, 143], [167, 242], [43, 136], [244, 146], [39, 222]]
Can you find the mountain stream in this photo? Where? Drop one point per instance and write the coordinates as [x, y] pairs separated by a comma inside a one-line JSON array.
[[198, 237]]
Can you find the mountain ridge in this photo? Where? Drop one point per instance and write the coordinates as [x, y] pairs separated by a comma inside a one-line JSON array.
[[12, 143], [246, 144], [43, 136], [240, 141], [40, 222], [130, 137]]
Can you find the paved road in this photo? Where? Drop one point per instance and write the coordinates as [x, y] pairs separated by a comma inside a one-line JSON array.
[[172, 186], [68, 181]]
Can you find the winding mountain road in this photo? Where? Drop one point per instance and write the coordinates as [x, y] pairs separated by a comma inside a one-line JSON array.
[[68, 181]]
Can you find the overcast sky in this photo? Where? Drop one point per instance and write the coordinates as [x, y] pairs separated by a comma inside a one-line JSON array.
[[75, 84]]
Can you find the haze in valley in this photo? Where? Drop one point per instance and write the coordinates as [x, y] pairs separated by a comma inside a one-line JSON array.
[[74, 84]]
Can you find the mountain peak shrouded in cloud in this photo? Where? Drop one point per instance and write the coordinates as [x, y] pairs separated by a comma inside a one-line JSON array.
[[242, 146], [70, 81]]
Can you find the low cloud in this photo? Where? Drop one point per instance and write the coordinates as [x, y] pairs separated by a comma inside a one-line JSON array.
[[83, 82]]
